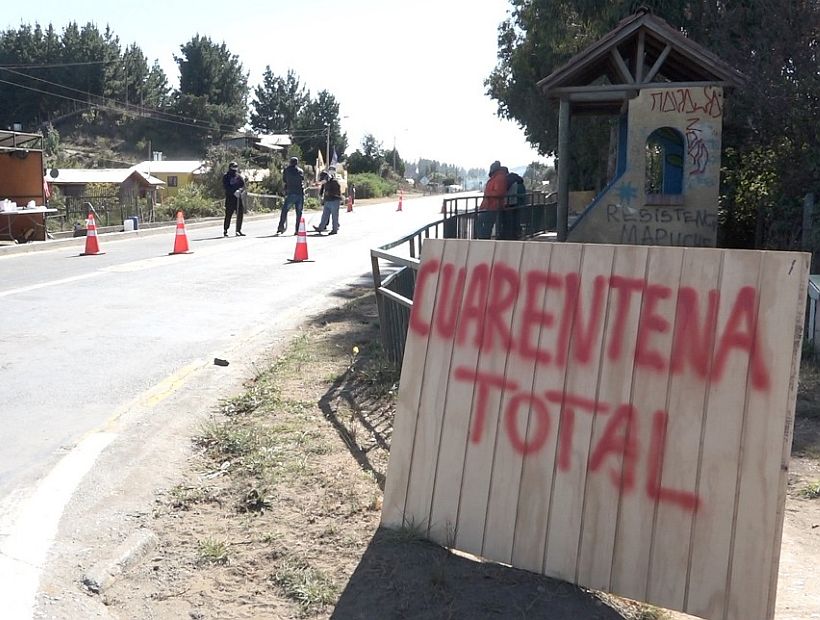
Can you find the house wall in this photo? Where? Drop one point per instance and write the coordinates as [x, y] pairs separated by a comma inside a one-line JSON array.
[[624, 213], [183, 179]]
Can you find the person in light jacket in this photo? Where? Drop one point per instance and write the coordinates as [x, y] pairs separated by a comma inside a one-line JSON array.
[[495, 193]]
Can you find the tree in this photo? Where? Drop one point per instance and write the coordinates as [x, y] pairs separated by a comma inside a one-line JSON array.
[[772, 119], [212, 90], [278, 102], [315, 118]]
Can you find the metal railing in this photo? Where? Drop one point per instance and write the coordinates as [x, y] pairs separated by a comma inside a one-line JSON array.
[[394, 293]]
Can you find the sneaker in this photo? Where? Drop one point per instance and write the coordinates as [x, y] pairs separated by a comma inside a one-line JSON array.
[[225, 233], [239, 233], [280, 232], [332, 232], [318, 230]]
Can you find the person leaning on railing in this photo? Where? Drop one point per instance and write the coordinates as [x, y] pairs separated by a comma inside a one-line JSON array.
[[495, 193]]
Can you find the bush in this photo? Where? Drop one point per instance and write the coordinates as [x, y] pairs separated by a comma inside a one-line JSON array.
[[369, 185], [192, 201]]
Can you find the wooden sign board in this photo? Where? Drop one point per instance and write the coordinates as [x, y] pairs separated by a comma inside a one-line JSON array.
[[619, 417]]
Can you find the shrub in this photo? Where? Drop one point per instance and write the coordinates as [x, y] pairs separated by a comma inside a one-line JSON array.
[[192, 201], [369, 185]]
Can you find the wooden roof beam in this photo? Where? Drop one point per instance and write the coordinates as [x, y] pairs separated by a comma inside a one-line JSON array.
[[658, 63], [620, 66]]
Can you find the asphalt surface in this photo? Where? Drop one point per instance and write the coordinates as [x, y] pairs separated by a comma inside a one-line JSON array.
[[83, 336]]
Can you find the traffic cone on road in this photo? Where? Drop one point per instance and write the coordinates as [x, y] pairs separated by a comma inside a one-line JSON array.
[[181, 237], [92, 246], [401, 196], [301, 253]]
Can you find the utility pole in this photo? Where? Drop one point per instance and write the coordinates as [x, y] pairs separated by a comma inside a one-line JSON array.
[[327, 161]]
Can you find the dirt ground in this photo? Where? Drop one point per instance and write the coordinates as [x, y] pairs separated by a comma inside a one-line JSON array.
[[278, 513]]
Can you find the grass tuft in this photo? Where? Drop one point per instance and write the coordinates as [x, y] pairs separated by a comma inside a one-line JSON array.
[[810, 491], [212, 551], [307, 586]]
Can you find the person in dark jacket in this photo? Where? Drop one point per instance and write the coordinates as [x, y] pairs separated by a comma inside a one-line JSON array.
[[294, 179], [234, 185], [331, 195], [511, 214]]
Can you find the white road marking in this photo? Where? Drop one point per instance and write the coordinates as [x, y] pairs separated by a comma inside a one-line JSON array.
[[34, 287]]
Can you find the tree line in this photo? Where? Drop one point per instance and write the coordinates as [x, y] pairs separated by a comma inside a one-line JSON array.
[[83, 78]]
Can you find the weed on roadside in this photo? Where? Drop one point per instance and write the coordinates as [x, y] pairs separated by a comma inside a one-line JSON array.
[[810, 491], [304, 584], [213, 551]]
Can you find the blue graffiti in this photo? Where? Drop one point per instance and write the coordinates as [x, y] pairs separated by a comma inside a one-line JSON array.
[[627, 193]]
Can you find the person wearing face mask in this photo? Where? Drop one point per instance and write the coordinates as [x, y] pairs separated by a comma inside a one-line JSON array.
[[234, 185]]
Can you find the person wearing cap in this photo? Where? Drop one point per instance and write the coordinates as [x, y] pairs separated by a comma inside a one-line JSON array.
[[234, 184], [294, 179], [495, 193], [331, 195]]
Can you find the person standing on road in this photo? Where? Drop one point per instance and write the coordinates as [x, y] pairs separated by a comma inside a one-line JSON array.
[[234, 184], [495, 193], [331, 194], [351, 194], [294, 179]]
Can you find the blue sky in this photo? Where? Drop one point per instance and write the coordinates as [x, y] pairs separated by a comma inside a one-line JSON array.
[[409, 72]]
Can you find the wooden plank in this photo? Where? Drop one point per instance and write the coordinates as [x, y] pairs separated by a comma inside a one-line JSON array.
[[788, 434], [700, 273], [432, 409], [478, 463], [723, 423], [633, 538], [604, 482], [538, 468], [456, 425], [506, 474], [768, 414], [412, 378], [561, 557]]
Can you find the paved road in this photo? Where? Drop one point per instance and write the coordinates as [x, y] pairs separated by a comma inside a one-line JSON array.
[[80, 337]]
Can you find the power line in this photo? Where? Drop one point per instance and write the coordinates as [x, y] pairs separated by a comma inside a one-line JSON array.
[[59, 64]]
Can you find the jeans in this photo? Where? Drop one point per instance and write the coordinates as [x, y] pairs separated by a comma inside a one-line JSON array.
[[298, 201], [331, 209]]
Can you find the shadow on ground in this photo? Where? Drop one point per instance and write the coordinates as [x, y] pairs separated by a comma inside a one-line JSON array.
[[414, 579]]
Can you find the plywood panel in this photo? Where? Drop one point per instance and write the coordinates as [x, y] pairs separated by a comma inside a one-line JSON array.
[[539, 467], [432, 408], [578, 410], [615, 416], [692, 341], [611, 466], [762, 442], [496, 319], [412, 379], [456, 426], [636, 513], [720, 452], [517, 413]]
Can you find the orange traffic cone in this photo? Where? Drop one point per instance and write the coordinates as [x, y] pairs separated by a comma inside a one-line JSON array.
[[92, 246], [401, 196], [181, 237], [301, 253], [349, 204]]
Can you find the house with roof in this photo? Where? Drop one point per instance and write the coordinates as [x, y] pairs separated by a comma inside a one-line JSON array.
[[173, 173], [131, 183]]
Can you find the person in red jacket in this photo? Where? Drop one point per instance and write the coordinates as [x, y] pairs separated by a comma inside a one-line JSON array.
[[495, 193]]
